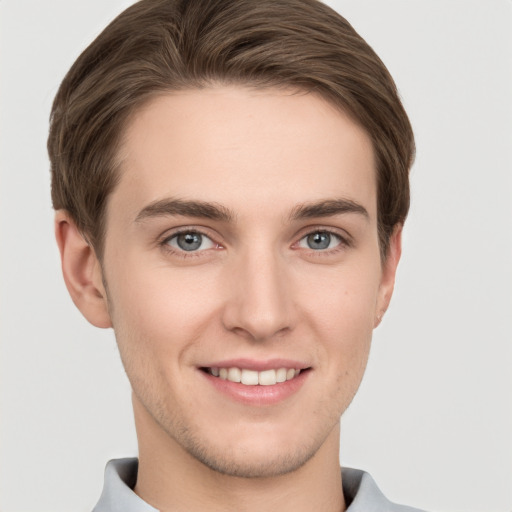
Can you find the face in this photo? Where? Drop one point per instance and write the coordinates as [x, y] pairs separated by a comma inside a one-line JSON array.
[[241, 245]]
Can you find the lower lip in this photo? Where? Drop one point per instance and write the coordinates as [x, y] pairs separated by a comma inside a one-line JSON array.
[[258, 395]]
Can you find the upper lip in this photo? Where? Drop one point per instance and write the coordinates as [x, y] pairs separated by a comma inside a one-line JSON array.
[[257, 365]]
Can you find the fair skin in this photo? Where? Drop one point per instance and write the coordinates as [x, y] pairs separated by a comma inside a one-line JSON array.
[[242, 236]]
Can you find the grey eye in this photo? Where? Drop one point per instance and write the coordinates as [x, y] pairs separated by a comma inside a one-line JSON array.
[[319, 241], [190, 241]]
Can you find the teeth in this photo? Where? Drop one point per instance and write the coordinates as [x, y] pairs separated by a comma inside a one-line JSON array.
[[281, 375], [267, 378], [249, 377], [234, 375], [252, 377]]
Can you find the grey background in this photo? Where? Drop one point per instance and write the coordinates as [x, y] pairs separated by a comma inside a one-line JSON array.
[[433, 419]]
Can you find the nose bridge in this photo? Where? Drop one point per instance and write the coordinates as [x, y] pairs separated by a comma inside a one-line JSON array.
[[259, 303]]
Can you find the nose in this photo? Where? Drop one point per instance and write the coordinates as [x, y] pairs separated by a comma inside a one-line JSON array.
[[260, 301]]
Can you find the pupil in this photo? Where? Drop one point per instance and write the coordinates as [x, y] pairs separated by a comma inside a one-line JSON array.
[[319, 240], [189, 241]]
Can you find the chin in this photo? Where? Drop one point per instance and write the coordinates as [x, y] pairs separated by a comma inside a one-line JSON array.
[[250, 463], [248, 453]]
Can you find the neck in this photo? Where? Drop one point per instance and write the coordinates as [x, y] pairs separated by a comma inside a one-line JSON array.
[[170, 479]]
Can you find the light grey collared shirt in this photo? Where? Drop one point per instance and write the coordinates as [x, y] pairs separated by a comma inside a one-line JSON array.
[[360, 491]]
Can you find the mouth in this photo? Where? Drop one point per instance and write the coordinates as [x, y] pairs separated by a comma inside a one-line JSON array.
[[250, 377], [257, 383]]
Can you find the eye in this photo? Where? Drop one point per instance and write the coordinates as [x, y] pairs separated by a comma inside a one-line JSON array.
[[320, 241], [190, 241]]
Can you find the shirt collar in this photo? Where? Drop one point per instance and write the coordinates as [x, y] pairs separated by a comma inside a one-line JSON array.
[[362, 494], [117, 495], [360, 491]]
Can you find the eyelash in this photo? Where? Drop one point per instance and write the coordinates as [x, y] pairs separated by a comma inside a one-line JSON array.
[[344, 242], [164, 243]]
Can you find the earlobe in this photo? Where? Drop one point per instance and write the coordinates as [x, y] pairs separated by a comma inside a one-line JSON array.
[[82, 271], [389, 267]]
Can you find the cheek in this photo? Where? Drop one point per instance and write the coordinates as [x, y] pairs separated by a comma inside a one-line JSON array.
[[341, 299], [154, 318], [340, 309], [157, 308]]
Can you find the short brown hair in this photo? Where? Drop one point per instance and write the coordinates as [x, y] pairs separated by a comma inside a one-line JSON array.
[[162, 45]]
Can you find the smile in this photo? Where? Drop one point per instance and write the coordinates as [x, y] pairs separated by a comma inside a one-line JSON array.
[[252, 377]]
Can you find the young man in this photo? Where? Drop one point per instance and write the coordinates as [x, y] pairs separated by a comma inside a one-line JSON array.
[[231, 181]]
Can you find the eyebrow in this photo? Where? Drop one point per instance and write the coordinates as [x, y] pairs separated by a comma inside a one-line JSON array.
[[328, 208], [214, 211], [201, 209]]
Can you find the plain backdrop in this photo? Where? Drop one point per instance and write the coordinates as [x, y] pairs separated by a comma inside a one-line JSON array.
[[433, 419]]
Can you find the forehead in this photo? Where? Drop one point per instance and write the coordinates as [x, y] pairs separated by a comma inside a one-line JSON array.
[[244, 148]]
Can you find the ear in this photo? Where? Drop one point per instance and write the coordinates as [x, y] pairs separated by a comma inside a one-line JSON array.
[[389, 267], [82, 271]]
